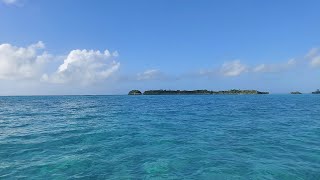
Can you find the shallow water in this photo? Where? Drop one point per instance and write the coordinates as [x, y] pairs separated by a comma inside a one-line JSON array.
[[160, 137]]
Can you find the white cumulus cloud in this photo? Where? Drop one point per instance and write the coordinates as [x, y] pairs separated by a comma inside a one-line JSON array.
[[233, 68], [85, 67], [22, 62]]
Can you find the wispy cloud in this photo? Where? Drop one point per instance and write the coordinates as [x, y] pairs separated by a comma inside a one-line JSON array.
[[236, 68], [233, 68], [11, 2], [273, 68], [313, 56], [227, 69], [151, 74]]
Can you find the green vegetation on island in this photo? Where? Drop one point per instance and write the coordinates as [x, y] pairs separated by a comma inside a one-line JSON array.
[[135, 92], [296, 92], [196, 92], [316, 92]]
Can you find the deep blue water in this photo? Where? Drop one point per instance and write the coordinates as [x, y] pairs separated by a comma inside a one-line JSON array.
[[160, 137]]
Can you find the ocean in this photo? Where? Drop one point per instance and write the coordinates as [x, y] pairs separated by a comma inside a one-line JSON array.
[[160, 137]]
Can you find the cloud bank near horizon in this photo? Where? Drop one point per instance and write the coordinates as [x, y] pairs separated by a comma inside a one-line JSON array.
[[85, 67]]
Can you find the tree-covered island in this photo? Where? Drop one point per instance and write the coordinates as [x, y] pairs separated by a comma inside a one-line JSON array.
[[196, 92], [295, 92], [135, 92]]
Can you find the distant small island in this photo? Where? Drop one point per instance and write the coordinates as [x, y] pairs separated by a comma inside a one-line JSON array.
[[316, 92], [195, 92], [296, 92], [135, 92]]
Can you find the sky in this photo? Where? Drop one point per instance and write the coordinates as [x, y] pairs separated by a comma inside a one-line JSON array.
[[110, 47]]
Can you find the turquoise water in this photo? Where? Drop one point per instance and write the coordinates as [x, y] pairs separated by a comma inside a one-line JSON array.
[[160, 137]]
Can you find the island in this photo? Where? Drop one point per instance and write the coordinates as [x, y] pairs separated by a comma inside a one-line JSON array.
[[196, 92], [135, 92], [316, 92], [296, 92]]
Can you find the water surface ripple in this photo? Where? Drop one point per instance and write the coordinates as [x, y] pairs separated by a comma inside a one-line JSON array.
[[160, 137]]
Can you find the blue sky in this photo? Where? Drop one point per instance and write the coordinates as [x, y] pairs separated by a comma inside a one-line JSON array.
[[58, 47]]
